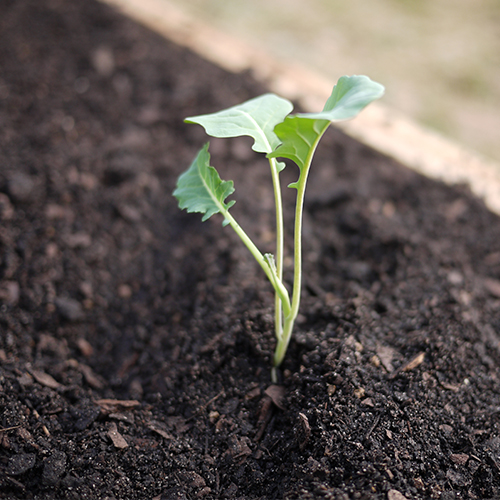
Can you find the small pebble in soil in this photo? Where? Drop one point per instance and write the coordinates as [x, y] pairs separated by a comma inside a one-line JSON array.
[[395, 495], [21, 187], [69, 309], [6, 208]]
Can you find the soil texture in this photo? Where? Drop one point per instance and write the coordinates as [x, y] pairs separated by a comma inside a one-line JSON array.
[[136, 341]]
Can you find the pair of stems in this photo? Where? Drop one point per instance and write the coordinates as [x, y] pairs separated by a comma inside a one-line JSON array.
[[285, 311]]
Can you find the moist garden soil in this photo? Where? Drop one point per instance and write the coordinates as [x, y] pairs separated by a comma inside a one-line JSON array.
[[136, 341]]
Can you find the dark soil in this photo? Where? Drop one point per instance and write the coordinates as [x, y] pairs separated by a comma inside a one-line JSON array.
[[136, 341]]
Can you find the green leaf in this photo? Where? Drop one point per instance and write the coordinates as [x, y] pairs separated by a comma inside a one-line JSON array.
[[200, 189], [299, 137], [301, 133], [255, 118], [348, 98]]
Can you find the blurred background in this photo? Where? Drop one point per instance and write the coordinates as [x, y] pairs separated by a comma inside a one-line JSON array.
[[439, 59]]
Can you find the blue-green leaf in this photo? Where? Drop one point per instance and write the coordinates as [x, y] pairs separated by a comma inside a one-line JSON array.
[[299, 137], [348, 98], [200, 188], [255, 118], [301, 133]]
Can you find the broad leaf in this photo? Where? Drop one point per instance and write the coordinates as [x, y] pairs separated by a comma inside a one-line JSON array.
[[348, 98], [200, 189], [299, 137], [255, 118], [300, 134]]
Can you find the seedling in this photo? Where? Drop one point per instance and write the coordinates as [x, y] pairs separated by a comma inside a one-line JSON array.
[[277, 134]]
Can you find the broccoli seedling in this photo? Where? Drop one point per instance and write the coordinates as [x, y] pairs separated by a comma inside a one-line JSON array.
[[277, 134]]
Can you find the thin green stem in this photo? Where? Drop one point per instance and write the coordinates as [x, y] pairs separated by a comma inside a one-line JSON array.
[[278, 310], [282, 345], [271, 274]]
